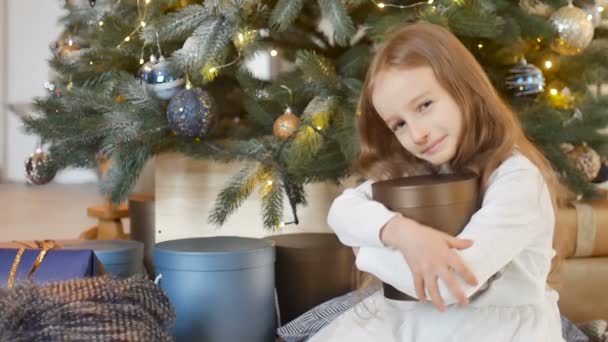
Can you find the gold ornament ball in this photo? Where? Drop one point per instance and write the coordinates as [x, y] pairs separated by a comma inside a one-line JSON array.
[[574, 30], [586, 160], [285, 125]]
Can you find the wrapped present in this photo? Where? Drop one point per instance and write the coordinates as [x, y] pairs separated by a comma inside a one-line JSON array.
[[581, 230], [45, 262]]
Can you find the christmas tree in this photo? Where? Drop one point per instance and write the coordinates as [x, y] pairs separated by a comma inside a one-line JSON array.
[[137, 78]]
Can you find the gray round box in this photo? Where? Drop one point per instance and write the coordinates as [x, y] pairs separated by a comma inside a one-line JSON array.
[[120, 258], [222, 288]]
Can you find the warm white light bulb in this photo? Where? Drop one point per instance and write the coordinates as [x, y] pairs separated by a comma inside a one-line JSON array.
[[548, 64], [273, 52], [381, 5]]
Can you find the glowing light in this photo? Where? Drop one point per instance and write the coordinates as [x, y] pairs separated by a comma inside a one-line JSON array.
[[381, 5], [553, 91], [273, 52], [548, 64]]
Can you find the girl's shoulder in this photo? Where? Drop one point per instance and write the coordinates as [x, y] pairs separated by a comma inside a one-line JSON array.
[[516, 163]]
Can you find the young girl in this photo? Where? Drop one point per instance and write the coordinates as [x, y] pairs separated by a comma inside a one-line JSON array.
[[427, 106]]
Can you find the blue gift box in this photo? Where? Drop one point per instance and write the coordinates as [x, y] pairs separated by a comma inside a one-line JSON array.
[[222, 288], [120, 258], [57, 265]]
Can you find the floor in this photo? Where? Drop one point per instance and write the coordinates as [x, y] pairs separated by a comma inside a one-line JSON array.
[[52, 211]]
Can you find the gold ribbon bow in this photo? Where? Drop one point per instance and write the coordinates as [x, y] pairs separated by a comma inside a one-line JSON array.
[[45, 246]]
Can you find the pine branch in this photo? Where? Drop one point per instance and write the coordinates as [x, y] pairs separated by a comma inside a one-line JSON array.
[[272, 203], [236, 191], [343, 26], [317, 70], [124, 172], [175, 26], [284, 13], [258, 115], [208, 44], [473, 23], [354, 62]]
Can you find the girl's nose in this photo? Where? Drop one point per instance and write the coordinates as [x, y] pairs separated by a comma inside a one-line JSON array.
[[419, 134]]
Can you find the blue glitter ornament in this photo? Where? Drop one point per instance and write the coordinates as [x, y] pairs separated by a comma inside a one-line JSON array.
[[525, 79], [192, 113], [158, 78]]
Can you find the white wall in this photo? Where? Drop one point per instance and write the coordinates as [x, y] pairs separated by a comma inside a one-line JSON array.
[[3, 10], [30, 27]]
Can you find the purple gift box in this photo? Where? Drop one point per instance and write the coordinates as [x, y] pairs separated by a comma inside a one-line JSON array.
[[57, 265]]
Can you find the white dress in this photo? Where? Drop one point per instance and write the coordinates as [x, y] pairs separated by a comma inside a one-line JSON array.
[[512, 233]]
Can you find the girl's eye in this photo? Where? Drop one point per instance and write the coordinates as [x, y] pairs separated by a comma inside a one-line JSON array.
[[424, 105], [400, 124]]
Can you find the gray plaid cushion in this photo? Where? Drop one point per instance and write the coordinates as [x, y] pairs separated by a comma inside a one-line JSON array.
[[309, 323], [312, 321]]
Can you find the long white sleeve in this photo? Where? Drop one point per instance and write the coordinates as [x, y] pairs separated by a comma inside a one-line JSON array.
[[515, 210], [357, 219]]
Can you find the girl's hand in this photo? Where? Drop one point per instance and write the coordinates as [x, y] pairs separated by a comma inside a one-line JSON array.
[[429, 254]]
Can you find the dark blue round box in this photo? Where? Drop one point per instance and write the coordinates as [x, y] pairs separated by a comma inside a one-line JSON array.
[[222, 288]]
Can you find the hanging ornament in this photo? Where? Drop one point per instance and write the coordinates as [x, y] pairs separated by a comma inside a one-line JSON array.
[[157, 77], [286, 124], [52, 88], [537, 7], [593, 10], [192, 113], [574, 30], [602, 175], [92, 3], [585, 159], [525, 79], [68, 46], [37, 169]]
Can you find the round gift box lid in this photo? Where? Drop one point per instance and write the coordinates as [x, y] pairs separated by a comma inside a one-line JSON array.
[[307, 247], [220, 253], [111, 252], [422, 191], [306, 241]]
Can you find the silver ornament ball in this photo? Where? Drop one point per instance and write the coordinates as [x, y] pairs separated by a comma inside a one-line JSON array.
[[574, 30], [35, 165], [157, 77], [525, 79]]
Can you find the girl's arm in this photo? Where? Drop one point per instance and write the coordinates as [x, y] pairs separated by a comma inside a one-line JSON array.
[[516, 209], [357, 218], [360, 221]]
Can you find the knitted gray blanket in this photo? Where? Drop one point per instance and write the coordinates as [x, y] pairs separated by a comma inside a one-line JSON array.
[[92, 309]]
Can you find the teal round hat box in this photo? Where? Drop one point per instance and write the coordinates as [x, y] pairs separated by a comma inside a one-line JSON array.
[[222, 288], [120, 258]]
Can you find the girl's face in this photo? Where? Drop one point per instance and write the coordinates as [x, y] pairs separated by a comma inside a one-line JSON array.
[[423, 116]]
